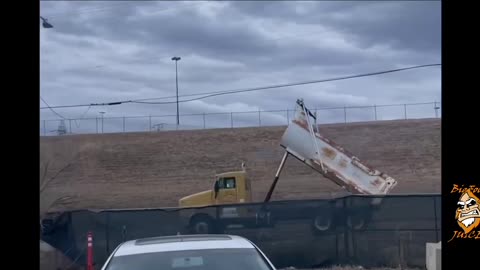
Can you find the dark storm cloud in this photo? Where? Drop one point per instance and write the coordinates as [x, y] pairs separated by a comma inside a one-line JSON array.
[[187, 31], [403, 24]]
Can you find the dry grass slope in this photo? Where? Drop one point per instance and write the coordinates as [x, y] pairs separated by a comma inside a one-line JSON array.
[[155, 169]]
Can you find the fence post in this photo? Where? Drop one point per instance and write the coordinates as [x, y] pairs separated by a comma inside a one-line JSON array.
[[150, 122], [70, 125], [96, 124], [375, 110], [435, 213], [345, 113], [405, 110], [204, 121], [124, 233], [436, 109], [124, 124], [107, 234], [44, 128], [259, 119], [231, 119], [288, 118]]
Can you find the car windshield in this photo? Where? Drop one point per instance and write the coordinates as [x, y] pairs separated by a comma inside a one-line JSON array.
[[212, 259]]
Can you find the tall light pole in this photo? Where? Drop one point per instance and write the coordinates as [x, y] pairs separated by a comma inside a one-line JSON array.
[[176, 58], [45, 23]]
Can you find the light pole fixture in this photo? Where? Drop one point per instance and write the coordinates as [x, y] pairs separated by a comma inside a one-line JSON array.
[[176, 59], [45, 23]]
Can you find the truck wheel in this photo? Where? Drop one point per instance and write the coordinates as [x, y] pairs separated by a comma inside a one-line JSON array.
[[322, 223], [356, 221], [201, 225]]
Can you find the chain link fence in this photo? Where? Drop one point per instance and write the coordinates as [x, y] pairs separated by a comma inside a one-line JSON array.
[[155, 123]]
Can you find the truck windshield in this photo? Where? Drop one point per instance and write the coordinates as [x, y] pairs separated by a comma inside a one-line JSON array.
[[209, 259]]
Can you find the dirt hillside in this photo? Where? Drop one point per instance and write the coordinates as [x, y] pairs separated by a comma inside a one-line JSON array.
[[154, 169]]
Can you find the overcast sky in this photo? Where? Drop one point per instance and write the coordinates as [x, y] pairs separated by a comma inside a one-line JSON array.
[[111, 51]]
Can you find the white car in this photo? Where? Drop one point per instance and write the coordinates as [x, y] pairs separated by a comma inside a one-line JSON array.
[[188, 252]]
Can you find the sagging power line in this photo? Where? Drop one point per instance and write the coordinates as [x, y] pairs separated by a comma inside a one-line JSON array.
[[218, 93], [49, 107]]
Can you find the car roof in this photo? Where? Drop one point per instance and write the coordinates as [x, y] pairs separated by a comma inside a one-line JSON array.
[[182, 242]]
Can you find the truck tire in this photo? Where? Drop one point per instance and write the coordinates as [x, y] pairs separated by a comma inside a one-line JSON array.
[[201, 224], [358, 220], [322, 223], [355, 223]]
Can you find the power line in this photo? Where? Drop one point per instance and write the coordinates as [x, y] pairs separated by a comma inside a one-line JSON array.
[[87, 105], [48, 106], [218, 93], [291, 84], [266, 111], [83, 115]]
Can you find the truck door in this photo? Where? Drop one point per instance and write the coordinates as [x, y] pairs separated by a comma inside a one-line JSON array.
[[227, 192]]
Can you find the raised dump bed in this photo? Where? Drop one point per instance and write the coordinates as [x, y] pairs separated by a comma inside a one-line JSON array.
[[303, 140]]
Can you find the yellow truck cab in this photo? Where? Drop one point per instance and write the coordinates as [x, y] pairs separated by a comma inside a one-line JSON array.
[[228, 188]]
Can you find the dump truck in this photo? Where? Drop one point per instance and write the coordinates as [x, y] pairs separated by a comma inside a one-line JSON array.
[[231, 192]]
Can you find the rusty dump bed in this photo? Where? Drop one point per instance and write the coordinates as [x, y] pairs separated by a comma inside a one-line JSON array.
[[302, 140]]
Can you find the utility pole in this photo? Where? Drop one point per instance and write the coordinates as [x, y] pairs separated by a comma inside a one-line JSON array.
[[176, 59]]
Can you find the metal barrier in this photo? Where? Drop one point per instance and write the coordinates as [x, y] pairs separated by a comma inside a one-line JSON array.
[[390, 234]]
